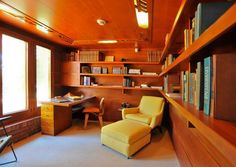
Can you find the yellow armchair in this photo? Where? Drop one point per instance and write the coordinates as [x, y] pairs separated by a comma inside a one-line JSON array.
[[149, 111]]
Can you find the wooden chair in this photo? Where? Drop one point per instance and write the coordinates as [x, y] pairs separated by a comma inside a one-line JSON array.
[[97, 111], [6, 141]]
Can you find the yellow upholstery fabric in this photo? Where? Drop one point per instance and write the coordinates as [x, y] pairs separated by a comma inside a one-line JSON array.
[[126, 131], [140, 117], [126, 136], [149, 111]]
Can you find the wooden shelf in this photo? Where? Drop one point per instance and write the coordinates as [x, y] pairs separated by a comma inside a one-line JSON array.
[[119, 75], [186, 8], [220, 27], [117, 87], [104, 75], [218, 132], [119, 62], [102, 87]]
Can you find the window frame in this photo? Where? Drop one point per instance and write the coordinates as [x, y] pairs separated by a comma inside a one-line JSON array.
[[51, 68], [33, 110]]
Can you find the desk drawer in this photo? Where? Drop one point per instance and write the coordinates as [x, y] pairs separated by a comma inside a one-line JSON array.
[[47, 122], [47, 115], [46, 108]]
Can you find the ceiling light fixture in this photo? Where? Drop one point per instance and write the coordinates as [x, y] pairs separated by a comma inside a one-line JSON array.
[[107, 41], [101, 22], [141, 13]]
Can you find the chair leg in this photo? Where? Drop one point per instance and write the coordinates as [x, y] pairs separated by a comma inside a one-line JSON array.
[[100, 121], [12, 149], [86, 120]]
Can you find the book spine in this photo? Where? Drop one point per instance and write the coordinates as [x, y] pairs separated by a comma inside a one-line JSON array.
[[207, 85]]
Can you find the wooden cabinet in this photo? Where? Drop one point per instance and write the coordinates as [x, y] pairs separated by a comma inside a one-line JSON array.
[[200, 140], [70, 73], [55, 119]]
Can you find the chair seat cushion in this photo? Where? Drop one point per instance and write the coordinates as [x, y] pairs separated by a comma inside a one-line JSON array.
[[140, 117], [126, 131], [91, 110]]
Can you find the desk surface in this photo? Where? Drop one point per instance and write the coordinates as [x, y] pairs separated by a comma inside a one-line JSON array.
[[70, 103]]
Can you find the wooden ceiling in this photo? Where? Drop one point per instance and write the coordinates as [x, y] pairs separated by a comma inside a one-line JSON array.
[[73, 22]]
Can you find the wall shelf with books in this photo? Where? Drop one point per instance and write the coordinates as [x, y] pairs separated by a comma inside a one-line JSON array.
[[127, 74], [174, 41], [216, 30], [211, 57]]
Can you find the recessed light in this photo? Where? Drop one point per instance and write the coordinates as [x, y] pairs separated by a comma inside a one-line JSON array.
[[107, 41], [101, 22]]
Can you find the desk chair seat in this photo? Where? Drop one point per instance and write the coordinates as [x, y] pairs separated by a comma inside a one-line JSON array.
[[97, 111]]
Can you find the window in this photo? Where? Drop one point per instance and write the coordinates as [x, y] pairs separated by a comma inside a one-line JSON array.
[[14, 74], [43, 72]]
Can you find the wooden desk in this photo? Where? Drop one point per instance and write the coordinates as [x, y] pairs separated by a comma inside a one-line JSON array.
[[56, 117]]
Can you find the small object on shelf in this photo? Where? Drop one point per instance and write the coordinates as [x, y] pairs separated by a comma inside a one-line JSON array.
[[85, 69], [104, 70], [149, 73], [109, 58], [144, 85], [116, 70], [122, 59], [134, 71], [96, 70]]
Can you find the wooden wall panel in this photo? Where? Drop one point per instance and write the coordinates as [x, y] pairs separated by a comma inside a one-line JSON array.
[[195, 150]]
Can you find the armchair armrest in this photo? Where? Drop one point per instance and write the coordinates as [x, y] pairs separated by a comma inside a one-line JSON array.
[[129, 111], [156, 119]]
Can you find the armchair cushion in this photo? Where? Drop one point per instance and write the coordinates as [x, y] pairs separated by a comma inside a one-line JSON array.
[[140, 117]]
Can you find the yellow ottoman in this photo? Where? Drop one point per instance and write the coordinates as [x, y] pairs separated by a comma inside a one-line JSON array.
[[126, 136]]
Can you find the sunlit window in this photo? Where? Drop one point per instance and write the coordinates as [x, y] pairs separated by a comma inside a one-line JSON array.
[[14, 74], [43, 72]]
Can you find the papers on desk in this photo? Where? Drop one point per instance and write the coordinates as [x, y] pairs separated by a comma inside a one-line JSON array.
[[59, 99]]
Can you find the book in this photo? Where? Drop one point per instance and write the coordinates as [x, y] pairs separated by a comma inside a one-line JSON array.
[[207, 84], [186, 86], [199, 86], [224, 86], [207, 13]]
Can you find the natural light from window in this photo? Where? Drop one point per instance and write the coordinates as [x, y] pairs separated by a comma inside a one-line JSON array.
[[43, 60], [14, 74]]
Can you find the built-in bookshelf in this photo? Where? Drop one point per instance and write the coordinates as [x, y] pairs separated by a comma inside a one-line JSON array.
[[116, 75], [212, 133]]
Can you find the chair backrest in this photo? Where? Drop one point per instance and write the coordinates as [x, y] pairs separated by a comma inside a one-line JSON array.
[[101, 106], [151, 105]]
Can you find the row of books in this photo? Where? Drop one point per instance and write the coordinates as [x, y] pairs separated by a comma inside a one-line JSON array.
[[204, 89], [169, 59], [86, 80], [171, 83], [90, 56], [153, 56], [127, 82], [205, 15]]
